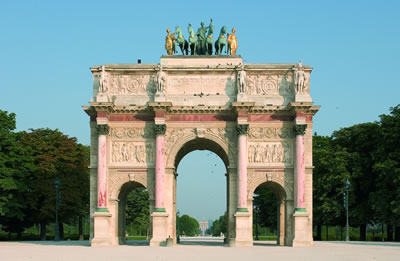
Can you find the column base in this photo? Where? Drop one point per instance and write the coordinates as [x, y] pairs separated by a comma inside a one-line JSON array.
[[160, 224], [244, 231], [301, 230], [102, 236]]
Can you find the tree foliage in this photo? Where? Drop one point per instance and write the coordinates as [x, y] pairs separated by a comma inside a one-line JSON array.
[[265, 207], [137, 210], [188, 226], [369, 155], [219, 226], [16, 166]]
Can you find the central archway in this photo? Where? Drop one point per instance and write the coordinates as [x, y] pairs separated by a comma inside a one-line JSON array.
[[203, 144]]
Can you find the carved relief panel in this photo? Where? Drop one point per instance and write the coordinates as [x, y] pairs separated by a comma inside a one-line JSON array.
[[270, 152], [129, 84], [132, 152], [271, 85]]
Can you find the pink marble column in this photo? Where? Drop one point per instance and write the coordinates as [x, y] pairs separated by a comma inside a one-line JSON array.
[[242, 166], [160, 167], [102, 131], [300, 167]]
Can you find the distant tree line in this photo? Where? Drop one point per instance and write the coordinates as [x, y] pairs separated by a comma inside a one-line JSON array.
[[30, 162], [367, 154]]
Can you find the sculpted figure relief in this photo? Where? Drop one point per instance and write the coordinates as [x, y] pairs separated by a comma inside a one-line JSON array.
[[269, 153], [131, 152], [241, 80], [300, 78], [161, 79]]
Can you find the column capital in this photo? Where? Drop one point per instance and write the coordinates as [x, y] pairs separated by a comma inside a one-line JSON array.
[[159, 129], [300, 129], [242, 129], [102, 129]]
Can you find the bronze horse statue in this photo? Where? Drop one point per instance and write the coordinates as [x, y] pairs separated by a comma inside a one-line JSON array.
[[183, 44], [221, 41]]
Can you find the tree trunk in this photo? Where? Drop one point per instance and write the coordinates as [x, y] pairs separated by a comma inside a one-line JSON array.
[[61, 230], [9, 236], [389, 232], [319, 232], [363, 232], [397, 233], [327, 234], [42, 231], [19, 235], [341, 233], [80, 220]]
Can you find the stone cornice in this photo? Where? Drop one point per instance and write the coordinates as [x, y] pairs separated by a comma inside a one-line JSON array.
[[160, 106], [242, 106], [199, 109], [305, 107]]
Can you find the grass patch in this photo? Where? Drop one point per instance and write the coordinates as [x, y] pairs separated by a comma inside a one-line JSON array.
[[266, 238], [136, 238]]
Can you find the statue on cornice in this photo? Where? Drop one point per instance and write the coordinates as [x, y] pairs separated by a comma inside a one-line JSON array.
[[170, 42], [241, 80], [103, 80], [160, 79], [201, 38], [232, 43], [300, 78]]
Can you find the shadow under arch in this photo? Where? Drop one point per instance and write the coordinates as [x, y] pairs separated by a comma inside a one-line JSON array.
[[125, 189], [280, 196]]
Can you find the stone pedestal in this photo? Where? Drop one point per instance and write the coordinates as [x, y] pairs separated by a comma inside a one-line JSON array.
[[102, 235], [243, 230], [159, 97], [301, 228], [160, 226], [303, 98], [242, 97]]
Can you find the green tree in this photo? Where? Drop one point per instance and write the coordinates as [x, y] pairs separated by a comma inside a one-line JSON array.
[[360, 141], [219, 226], [57, 155], [188, 226], [329, 174], [137, 210], [16, 164], [265, 207], [385, 199]]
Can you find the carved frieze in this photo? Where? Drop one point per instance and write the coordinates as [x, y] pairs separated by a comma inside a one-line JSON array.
[[271, 85], [130, 84], [270, 152], [124, 133], [270, 133], [132, 152]]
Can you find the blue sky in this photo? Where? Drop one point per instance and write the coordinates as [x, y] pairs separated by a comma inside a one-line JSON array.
[[47, 47]]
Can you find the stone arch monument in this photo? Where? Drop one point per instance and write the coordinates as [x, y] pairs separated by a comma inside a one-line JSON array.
[[144, 118]]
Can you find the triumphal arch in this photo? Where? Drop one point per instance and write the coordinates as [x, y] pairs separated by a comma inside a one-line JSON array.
[[144, 118]]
